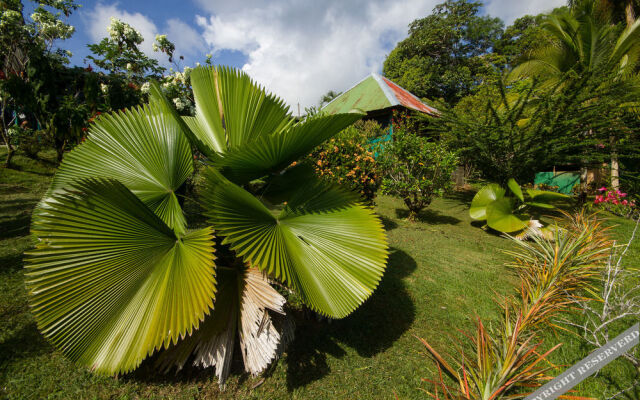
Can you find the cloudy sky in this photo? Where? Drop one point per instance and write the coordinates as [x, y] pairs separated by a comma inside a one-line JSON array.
[[298, 49]]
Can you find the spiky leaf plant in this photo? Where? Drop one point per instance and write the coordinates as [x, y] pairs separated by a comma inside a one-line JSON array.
[[117, 275]]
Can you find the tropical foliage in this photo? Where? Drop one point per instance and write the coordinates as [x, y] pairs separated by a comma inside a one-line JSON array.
[[416, 170], [515, 213], [508, 359], [117, 275]]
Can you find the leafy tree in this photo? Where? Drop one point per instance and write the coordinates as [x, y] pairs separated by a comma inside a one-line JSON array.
[[117, 275], [589, 53], [416, 170], [27, 54], [521, 38], [119, 53], [444, 55]]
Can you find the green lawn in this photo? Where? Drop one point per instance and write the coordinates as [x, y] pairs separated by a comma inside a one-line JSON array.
[[443, 271]]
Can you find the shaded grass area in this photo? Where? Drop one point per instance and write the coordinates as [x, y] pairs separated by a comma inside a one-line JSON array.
[[443, 271]]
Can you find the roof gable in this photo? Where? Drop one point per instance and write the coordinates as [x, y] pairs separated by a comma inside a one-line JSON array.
[[375, 93]]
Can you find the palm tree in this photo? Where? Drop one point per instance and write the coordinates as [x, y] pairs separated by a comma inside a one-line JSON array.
[[117, 274], [587, 45]]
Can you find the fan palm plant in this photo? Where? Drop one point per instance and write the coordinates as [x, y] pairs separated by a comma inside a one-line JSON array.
[[117, 274]]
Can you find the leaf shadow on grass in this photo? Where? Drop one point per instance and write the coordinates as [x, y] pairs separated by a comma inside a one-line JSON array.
[[388, 223], [371, 329], [24, 343], [430, 217], [16, 226], [464, 196]]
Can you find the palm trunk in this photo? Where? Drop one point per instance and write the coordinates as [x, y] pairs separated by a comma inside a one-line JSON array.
[[629, 13], [615, 165]]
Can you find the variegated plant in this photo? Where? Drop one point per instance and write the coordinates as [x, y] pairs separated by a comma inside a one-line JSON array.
[[117, 275]]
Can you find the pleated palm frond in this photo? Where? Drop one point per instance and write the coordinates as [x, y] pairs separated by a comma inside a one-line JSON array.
[[271, 153], [248, 133], [232, 110], [145, 149], [109, 282], [324, 244], [243, 305]]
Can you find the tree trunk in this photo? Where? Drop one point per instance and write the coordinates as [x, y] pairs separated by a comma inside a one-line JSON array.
[[629, 13], [615, 166], [10, 152]]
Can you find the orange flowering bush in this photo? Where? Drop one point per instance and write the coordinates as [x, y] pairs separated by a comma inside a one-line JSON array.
[[345, 160]]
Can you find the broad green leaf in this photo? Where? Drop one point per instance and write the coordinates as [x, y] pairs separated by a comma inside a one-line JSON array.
[[272, 153], [500, 216], [515, 188], [324, 244], [486, 195], [109, 282], [232, 110], [544, 196], [143, 148]]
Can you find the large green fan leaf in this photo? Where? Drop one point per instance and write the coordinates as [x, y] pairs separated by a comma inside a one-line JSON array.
[[143, 148], [109, 282], [483, 198], [272, 153], [324, 244], [159, 100], [501, 217], [232, 110]]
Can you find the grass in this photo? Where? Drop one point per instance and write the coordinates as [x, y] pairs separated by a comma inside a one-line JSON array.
[[443, 271]]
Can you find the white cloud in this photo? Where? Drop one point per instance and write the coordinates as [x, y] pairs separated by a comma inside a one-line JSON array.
[[188, 41], [509, 10], [302, 49]]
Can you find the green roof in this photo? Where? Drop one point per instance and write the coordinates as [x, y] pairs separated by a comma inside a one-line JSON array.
[[375, 93]]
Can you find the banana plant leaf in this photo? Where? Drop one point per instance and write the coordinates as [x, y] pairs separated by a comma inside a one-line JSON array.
[[501, 217], [107, 279], [483, 198], [324, 244]]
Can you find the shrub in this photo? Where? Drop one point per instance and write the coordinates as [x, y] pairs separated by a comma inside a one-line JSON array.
[[345, 160], [416, 170], [369, 128], [28, 140], [616, 202]]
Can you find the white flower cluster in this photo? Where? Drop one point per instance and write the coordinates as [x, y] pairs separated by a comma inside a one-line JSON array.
[[10, 18], [181, 104], [119, 30], [146, 87], [49, 26], [104, 88]]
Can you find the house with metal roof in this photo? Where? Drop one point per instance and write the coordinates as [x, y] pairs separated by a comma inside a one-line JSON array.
[[378, 97]]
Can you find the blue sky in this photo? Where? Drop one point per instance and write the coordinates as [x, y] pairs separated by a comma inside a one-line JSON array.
[[298, 49]]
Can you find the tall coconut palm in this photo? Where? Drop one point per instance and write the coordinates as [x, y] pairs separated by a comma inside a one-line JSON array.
[[118, 275], [587, 44]]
